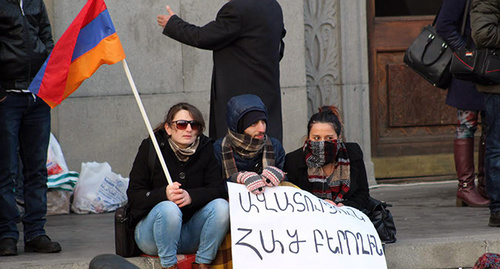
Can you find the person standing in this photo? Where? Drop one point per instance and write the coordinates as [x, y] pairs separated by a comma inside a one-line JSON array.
[[25, 43], [484, 23], [247, 43], [469, 103]]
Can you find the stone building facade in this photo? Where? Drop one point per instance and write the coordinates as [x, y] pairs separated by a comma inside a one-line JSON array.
[[325, 62]]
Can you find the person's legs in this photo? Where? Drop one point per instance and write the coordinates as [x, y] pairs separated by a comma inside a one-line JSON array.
[[158, 233], [34, 136], [10, 119], [464, 159], [204, 232], [481, 183], [492, 157]]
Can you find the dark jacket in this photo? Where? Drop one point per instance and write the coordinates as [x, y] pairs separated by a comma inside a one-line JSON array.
[[236, 109], [485, 28], [358, 194], [25, 42], [200, 176], [461, 94], [246, 40]]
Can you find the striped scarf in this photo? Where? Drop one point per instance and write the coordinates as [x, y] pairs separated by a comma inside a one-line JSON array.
[[246, 147], [332, 187], [183, 154]]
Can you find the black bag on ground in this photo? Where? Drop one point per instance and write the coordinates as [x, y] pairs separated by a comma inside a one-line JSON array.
[[125, 245], [430, 57], [481, 66], [382, 220]]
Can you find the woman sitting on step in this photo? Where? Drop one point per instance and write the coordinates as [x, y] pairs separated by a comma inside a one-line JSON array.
[[191, 215], [328, 167]]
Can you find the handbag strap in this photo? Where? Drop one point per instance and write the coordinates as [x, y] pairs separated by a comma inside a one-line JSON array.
[[437, 14], [464, 18]]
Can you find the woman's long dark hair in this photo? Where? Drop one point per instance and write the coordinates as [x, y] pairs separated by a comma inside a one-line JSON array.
[[195, 113], [327, 114]]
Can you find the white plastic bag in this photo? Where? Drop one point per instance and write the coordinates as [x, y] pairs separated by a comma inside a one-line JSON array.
[[55, 158], [61, 182], [98, 189]]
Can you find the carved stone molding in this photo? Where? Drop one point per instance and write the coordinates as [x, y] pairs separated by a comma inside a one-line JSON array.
[[321, 53]]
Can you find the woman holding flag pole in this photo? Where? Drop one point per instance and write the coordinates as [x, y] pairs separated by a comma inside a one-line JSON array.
[[189, 215]]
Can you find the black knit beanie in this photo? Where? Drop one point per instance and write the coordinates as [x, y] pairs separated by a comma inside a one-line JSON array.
[[250, 118]]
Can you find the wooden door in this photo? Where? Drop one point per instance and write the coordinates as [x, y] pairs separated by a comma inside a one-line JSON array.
[[412, 127]]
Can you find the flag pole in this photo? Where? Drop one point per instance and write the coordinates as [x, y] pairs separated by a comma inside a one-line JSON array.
[[146, 121]]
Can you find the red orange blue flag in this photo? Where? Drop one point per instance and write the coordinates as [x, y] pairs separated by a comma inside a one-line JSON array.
[[89, 42]]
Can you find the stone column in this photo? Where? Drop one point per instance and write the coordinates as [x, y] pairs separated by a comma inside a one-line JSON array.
[[337, 66]]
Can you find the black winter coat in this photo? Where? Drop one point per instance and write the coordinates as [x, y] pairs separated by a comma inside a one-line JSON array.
[[25, 42], [358, 194], [200, 176], [461, 94], [246, 39]]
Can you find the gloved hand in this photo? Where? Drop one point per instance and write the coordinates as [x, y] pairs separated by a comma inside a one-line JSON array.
[[272, 176], [252, 181]]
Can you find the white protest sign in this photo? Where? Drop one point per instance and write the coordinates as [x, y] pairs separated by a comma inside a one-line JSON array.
[[289, 228]]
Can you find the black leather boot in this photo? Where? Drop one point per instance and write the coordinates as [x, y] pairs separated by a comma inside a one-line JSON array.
[[494, 219], [8, 247], [42, 244]]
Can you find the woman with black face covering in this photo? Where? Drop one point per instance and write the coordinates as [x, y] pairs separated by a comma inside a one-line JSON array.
[[328, 167]]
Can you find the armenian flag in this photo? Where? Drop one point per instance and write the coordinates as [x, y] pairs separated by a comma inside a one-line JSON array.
[[89, 42]]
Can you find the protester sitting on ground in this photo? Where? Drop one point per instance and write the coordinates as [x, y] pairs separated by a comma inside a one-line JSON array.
[[247, 154], [191, 215], [328, 167]]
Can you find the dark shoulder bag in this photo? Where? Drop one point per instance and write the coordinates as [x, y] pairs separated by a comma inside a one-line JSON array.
[[382, 220], [430, 57], [481, 66], [125, 244]]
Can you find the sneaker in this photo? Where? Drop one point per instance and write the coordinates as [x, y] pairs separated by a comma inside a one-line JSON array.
[[42, 244], [494, 219], [8, 247]]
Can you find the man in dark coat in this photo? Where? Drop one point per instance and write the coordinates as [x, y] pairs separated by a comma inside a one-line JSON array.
[[484, 16], [25, 43], [247, 43]]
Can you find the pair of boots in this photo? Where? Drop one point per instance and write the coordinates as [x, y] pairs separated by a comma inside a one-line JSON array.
[[467, 193]]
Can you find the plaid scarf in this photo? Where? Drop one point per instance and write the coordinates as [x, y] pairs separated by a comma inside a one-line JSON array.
[[246, 147], [336, 185], [183, 154]]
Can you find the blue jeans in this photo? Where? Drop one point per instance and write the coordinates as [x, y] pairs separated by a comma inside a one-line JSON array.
[[24, 125], [492, 157], [162, 232]]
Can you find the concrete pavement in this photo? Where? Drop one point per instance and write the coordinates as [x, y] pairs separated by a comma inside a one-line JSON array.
[[432, 233]]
